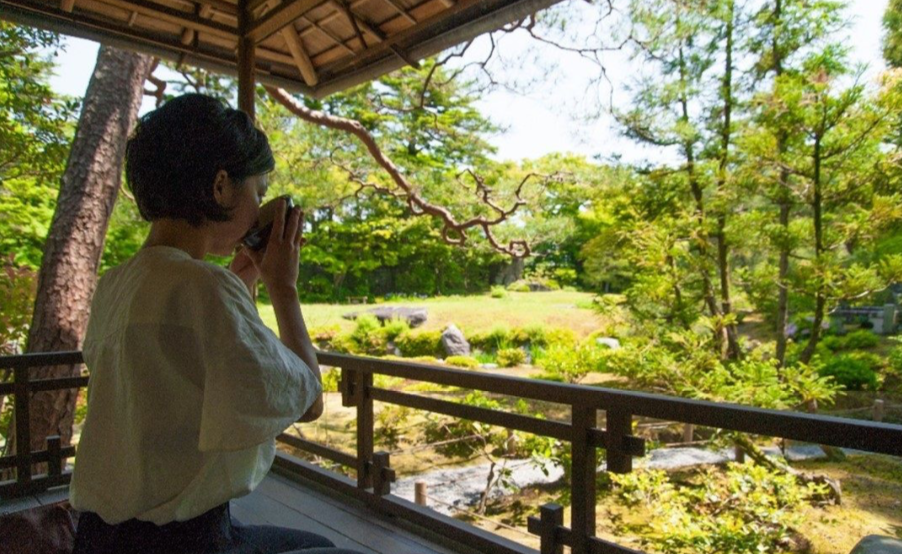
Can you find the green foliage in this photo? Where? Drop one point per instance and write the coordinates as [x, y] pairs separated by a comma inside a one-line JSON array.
[[494, 339], [35, 128], [892, 40], [413, 344], [499, 292], [465, 362], [389, 429], [569, 364], [17, 290], [894, 359], [510, 357], [518, 286], [472, 436], [851, 372], [856, 340], [331, 379], [749, 509]]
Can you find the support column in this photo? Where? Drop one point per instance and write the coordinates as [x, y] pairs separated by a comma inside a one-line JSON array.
[[246, 61]]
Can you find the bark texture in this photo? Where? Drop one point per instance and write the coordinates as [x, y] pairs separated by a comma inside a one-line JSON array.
[[88, 191]]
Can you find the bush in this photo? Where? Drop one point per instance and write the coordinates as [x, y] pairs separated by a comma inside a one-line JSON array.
[[894, 360], [331, 379], [394, 328], [850, 371], [498, 292], [420, 343], [565, 363], [497, 338], [858, 340], [749, 509], [531, 335], [465, 362], [518, 286], [510, 357]]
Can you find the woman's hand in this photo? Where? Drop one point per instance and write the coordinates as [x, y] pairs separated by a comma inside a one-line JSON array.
[[243, 266], [278, 264]]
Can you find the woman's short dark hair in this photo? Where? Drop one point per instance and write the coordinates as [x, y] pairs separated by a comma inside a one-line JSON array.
[[172, 158]]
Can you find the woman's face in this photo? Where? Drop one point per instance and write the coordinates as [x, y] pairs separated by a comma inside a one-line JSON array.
[[244, 199]]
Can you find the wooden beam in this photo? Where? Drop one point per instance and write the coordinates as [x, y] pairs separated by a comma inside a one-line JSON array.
[[178, 17], [67, 5], [401, 11], [204, 11], [357, 21], [279, 18], [299, 53], [132, 18], [246, 79]]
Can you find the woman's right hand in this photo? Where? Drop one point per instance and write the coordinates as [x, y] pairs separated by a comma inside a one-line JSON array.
[[278, 264]]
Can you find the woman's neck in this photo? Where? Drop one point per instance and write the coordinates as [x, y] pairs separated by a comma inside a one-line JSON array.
[[178, 233]]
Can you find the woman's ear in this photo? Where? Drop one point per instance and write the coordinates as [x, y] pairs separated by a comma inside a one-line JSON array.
[[222, 188]]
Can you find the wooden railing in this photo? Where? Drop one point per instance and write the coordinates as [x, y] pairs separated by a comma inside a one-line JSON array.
[[374, 474], [54, 455]]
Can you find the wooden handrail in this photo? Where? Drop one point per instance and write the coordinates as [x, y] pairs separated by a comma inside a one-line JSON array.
[[374, 473]]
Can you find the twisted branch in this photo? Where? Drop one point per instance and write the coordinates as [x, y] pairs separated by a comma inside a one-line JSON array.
[[453, 231]]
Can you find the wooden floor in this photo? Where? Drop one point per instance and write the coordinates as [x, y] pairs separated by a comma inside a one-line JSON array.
[[282, 502]]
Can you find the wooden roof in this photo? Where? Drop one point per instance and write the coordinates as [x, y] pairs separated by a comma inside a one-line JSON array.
[[314, 47]]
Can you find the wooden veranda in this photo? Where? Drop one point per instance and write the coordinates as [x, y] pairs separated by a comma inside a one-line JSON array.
[[600, 419]]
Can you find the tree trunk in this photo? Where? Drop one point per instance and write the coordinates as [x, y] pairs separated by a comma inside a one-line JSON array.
[[782, 284], [723, 248], [820, 300], [74, 244]]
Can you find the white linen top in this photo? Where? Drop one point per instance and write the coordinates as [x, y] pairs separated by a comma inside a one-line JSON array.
[[188, 390]]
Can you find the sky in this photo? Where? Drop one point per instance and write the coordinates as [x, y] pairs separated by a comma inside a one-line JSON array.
[[552, 115]]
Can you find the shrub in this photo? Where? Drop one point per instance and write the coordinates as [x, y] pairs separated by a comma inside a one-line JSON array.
[[510, 357], [331, 379], [564, 363], [518, 286], [394, 328], [322, 337], [894, 360], [368, 335], [465, 362], [420, 343], [560, 336], [498, 292], [861, 339], [852, 372], [388, 431], [497, 338], [531, 335], [747, 510]]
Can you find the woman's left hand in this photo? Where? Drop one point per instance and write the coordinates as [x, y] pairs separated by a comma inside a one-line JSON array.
[[244, 268]]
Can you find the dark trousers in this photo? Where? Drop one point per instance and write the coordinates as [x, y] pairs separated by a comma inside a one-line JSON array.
[[211, 533]]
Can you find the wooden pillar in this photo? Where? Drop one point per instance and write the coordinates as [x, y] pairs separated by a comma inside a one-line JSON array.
[[246, 61]]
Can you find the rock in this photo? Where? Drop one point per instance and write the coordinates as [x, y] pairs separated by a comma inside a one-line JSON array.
[[489, 366], [613, 344], [537, 287], [454, 342], [875, 544], [413, 316]]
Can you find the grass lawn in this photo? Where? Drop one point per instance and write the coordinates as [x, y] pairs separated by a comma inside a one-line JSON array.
[[472, 313]]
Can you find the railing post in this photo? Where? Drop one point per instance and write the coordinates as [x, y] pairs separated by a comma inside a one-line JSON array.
[[365, 422], [55, 463], [23, 422], [382, 473], [583, 468], [551, 517], [420, 493], [879, 409], [619, 427]]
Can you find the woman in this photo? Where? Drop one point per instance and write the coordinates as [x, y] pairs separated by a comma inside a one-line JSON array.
[[188, 387]]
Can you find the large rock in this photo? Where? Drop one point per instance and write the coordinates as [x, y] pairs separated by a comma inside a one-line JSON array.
[[611, 343], [875, 544], [454, 342], [413, 316]]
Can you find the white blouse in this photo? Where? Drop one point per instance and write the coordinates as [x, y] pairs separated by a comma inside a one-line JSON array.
[[188, 390]]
